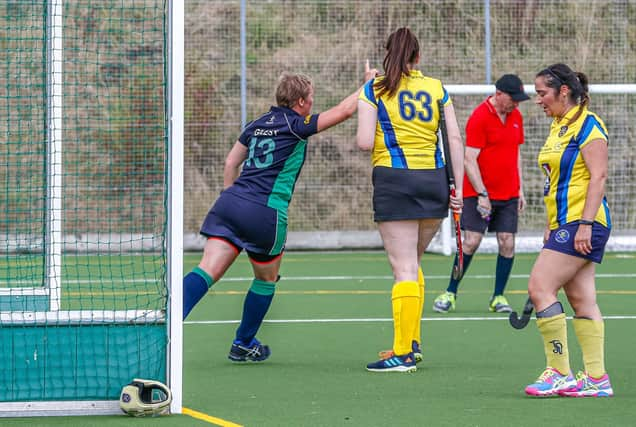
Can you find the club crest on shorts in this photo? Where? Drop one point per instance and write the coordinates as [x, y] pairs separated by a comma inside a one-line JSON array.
[[563, 130], [562, 236]]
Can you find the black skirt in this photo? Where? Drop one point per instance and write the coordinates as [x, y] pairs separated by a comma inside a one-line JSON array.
[[403, 194]]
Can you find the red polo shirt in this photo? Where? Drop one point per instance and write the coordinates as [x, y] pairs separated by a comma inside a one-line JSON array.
[[499, 144]]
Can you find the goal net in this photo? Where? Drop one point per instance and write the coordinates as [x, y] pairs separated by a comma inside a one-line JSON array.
[[84, 194]]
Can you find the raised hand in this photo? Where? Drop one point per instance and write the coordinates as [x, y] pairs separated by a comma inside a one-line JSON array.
[[369, 73]]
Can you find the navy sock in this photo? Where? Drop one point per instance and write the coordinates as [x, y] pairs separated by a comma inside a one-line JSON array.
[[195, 285], [255, 307], [504, 267], [454, 284]]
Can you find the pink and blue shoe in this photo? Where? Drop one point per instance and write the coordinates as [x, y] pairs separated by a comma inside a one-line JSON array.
[[587, 386], [550, 383]]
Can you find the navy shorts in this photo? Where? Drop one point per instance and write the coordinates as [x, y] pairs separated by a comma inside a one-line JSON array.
[[247, 225], [504, 216], [403, 194], [562, 240]]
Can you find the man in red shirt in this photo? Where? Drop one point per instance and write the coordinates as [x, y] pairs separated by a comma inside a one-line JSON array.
[[493, 193]]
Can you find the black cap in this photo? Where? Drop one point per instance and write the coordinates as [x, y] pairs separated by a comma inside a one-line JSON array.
[[512, 85]]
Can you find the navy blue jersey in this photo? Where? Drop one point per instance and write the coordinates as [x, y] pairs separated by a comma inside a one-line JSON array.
[[277, 145]]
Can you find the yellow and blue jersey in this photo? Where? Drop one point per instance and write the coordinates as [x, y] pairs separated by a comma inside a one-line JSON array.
[[406, 130], [567, 176]]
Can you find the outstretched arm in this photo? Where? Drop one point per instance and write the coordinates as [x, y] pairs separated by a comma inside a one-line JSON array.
[[347, 106], [339, 113]]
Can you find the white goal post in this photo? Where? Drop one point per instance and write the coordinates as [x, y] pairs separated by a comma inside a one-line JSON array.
[[38, 314]]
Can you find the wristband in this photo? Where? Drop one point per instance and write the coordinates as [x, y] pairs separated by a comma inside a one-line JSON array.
[[585, 222], [483, 194]]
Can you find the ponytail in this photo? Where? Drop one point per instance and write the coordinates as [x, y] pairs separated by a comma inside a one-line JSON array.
[[402, 49]]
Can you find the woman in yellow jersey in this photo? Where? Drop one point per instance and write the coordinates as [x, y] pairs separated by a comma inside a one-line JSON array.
[[398, 118], [574, 159]]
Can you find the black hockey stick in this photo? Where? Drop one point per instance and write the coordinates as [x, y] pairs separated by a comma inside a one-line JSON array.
[[458, 270], [520, 323]]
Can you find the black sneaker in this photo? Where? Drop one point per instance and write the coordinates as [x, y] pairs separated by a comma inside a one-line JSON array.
[[254, 352], [417, 352], [404, 363]]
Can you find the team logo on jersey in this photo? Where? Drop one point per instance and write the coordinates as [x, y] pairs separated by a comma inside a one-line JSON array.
[[270, 121], [562, 236], [563, 130], [307, 119]]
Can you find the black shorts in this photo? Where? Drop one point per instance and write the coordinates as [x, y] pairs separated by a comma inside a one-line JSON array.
[[247, 225], [403, 194], [504, 216], [562, 240]]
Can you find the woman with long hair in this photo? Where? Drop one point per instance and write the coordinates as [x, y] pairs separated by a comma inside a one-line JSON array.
[[398, 119]]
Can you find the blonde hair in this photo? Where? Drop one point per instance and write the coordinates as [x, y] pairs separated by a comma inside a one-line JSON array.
[[291, 88]]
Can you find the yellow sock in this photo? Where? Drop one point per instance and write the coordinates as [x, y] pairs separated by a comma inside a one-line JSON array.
[[417, 336], [591, 336], [554, 331], [405, 298]]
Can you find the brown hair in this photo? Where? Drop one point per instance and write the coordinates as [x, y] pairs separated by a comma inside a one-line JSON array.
[[402, 49], [291, 88], [558, 75]]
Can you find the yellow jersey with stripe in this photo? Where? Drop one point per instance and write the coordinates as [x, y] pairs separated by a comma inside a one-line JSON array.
[[406, 129], [566, 175]]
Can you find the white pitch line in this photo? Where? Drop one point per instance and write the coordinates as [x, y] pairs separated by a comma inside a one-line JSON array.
[[153, 281], [372, 320], [436, 277]]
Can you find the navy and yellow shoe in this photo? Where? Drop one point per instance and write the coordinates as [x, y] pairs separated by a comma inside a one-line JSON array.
[[404, 363], [254, 352], [417, 352]]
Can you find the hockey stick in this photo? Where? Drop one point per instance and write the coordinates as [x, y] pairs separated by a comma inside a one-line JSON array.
[[458, 269], [520, 323]]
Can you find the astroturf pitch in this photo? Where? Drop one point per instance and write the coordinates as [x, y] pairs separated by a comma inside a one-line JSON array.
[[332, 314]]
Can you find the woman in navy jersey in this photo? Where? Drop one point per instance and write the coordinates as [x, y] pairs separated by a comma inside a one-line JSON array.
[[251, 213]]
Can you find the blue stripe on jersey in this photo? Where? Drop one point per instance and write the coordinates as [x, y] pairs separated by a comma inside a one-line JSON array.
[[607, 212], [439, 161], [587, 127], [398, 160], [445, 98], [369, 93], [568, 159]]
